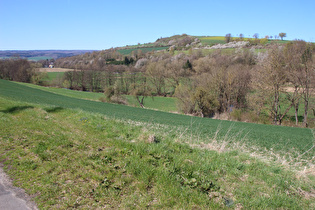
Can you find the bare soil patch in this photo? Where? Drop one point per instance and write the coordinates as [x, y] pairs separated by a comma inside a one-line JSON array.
[[54, 70], [292, 89]]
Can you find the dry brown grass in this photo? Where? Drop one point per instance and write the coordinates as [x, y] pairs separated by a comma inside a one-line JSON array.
[[292, 90], [54, 70]]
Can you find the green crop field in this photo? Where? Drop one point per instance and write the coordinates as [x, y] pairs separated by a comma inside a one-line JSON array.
[[166, 104], [67, 158], [211, 40], [143, 49], [288, 141], [67, 152], [68, 93], [54, 75], [38, 58]]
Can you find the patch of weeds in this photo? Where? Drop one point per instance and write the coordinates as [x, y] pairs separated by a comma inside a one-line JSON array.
[[40, 150]]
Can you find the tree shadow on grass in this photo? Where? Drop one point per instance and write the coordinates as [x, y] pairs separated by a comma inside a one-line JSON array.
[[16, 109], [53, 109], [300, 118]]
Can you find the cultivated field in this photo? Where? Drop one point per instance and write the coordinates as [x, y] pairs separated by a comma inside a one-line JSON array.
[[143, 49], [166, 104], [67, 152], [288, 141], [210, 40]]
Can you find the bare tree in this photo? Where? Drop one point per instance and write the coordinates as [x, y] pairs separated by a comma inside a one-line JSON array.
[[228, 37], [301, 68], [271, 80], [141, 91], [282, 35], [156, 74], [256, 35], [184, 94], [241, 37]]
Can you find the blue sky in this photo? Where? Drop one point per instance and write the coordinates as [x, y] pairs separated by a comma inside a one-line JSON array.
[[102, 24]]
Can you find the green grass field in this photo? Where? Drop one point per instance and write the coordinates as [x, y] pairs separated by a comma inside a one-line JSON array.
[[72, 153], [166, 104], [54, 75], [38, 58], [286, 141], [143, 49], [211, 40], [67, 152]]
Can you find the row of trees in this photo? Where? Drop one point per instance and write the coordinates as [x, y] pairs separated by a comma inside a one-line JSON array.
[[290, 66], [20, 70], [229, 38]]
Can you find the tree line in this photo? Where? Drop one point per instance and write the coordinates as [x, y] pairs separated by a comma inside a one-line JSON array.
[[20, 70]]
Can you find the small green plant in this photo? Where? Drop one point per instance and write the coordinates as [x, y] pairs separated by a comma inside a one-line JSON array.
[[236, 114]]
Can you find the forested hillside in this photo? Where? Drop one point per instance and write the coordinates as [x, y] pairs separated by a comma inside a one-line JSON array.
[[255, 80]]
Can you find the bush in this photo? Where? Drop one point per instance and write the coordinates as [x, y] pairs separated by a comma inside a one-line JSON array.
[[236, 114]]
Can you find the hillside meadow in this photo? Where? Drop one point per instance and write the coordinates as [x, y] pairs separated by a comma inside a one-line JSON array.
[[128, 51], [167, 104]]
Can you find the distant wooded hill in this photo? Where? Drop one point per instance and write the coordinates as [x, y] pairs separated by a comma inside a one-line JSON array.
[[37, 55]]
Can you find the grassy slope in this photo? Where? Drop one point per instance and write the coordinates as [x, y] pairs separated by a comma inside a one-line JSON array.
[[68, 158], [143, 49], [284, 140], [54, 75], [166, 104], [210, 40]]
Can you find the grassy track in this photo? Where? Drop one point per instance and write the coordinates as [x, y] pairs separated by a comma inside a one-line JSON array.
[[284, 140]]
